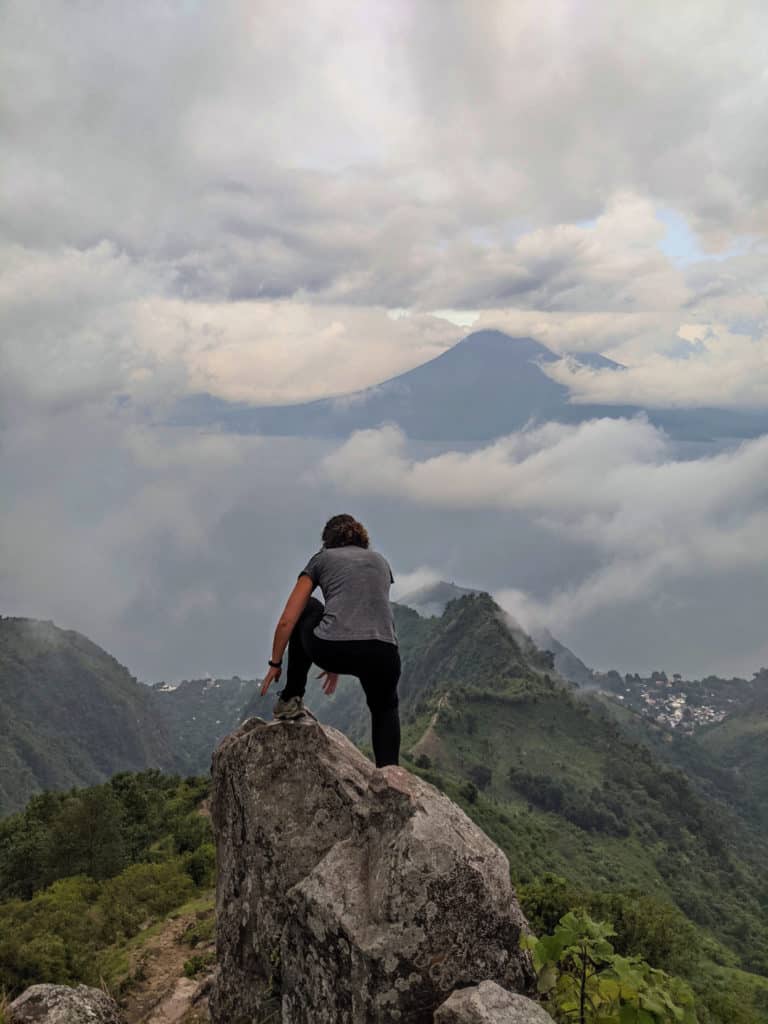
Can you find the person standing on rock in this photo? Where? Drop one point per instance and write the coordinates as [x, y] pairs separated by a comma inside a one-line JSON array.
[[352, 634]]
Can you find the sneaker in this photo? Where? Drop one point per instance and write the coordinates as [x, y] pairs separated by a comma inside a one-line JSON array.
[[291, 708]]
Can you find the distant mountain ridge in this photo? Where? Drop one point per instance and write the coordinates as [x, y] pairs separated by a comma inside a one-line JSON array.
[[487, 385], [197, 713]]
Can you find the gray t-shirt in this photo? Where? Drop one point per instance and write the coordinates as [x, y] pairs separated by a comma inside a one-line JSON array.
[[355, 584]]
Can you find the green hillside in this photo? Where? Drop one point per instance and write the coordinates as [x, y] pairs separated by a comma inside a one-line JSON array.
[[598, 810], [562, 784], [70, 714], [709, 774], [740, 744], [573, 795]]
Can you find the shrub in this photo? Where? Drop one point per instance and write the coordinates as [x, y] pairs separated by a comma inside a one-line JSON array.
[[200, 865], [583, 979]]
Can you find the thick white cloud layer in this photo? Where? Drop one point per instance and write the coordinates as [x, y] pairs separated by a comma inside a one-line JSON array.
[[323, 156], [82, 325], [283, 351], [508, 111], [715, 368], [176, 549], [617, 486]]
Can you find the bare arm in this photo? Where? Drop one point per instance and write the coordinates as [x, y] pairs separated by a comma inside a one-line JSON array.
[[294, 606]]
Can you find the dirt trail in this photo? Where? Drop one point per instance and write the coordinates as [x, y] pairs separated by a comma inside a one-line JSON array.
[[430, 743], [162, 994]]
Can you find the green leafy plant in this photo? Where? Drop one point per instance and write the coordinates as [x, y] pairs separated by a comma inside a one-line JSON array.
[[584, 980]]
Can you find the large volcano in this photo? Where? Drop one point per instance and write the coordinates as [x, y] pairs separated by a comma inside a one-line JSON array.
[[487, 385]]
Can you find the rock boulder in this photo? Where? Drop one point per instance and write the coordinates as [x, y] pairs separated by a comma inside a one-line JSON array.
[[59, 1004], [348, 894], [488, 1003]]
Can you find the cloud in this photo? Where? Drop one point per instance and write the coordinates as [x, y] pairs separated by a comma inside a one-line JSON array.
[[69, 319], [613, 263], [586, 101], [408, 582], [230, 200], [95, 324], [281, 351], [94, 507], [239, 222], [531, 470], [176, 549], [91, 325], [622, 335], [712, 367], [650, 516], [349, 167]]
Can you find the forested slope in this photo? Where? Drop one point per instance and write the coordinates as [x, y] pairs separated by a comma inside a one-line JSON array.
[[70, 714]]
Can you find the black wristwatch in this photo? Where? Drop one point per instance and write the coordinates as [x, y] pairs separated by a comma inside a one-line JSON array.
[[275, 664]]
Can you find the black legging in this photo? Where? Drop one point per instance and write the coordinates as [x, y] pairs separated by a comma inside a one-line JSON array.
[[376, 664]]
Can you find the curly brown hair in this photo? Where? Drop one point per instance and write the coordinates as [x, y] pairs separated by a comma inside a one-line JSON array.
[[342, 530]]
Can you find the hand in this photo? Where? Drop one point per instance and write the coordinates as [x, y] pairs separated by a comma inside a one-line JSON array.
[[269, 678], [331, 682]]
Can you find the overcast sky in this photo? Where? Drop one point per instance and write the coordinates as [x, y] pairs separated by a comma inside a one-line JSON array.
[[277, 202]]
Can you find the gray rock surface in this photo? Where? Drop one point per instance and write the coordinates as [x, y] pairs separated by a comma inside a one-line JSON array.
[[59, 1004], [354, 895], [488, 1003]]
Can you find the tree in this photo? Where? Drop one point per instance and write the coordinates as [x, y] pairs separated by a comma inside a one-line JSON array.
[[87, 835], [481, 775]]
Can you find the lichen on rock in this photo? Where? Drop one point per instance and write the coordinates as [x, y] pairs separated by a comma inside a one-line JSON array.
[[60, 1004], [353, 894]]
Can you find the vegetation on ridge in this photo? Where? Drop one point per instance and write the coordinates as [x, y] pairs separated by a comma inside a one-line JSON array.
[[594, 808], [561, 787], [83, 872]]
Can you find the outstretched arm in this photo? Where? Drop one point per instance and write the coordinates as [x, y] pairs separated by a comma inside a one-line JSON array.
[[294, 606]]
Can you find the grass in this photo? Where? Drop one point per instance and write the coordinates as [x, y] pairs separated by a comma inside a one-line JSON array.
[[201, 930], [118, 962]]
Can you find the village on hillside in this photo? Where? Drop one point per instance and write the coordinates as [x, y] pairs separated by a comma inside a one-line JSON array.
[[676, 703]]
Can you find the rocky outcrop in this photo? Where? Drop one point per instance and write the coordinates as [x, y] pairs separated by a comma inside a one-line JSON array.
[[59, 1004], [349, 894], [488, 1003]]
